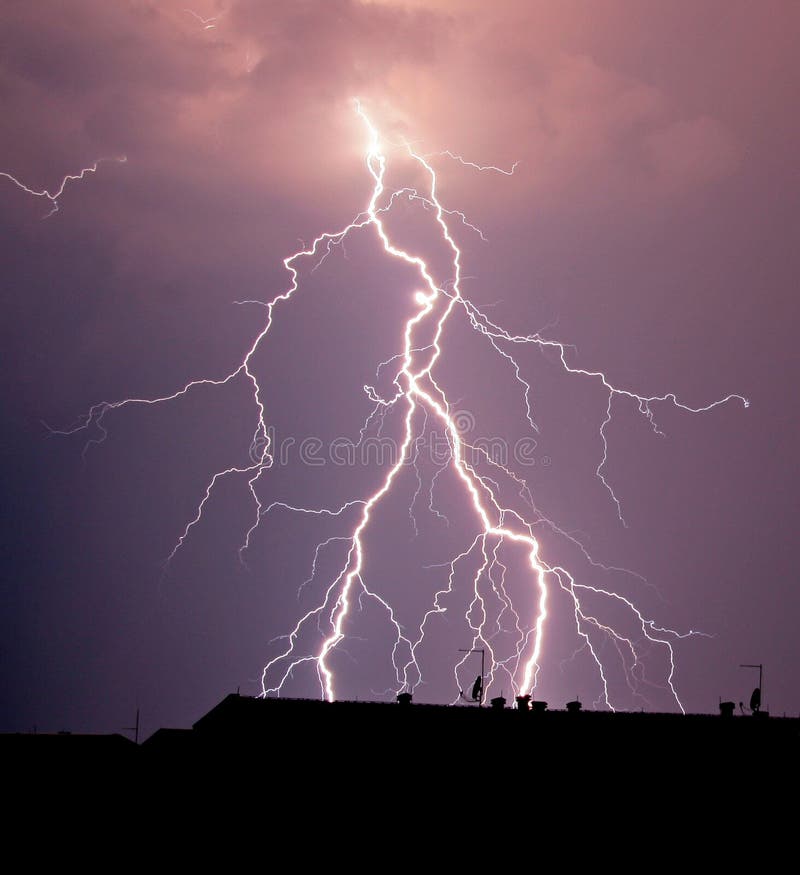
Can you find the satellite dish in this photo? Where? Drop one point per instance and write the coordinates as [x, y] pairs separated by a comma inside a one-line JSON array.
[[755, 700], [477, 688]]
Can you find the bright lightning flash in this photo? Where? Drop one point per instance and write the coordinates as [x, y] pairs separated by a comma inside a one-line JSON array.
[[502, 530]]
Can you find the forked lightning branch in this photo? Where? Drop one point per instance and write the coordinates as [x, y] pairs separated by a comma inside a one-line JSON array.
[[418, 397]]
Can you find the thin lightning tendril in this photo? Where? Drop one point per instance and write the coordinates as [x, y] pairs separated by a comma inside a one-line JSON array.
[[502, 530], [205, 23], [70, 177]]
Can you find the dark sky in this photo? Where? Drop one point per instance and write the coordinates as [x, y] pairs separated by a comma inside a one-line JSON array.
[[652, 223]]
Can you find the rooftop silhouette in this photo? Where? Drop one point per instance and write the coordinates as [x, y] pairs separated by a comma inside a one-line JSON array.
[[305, 730]]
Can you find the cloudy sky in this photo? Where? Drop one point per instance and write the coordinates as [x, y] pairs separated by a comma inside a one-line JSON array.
[[651, 224]]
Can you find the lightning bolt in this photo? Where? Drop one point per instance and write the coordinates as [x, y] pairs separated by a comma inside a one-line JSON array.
[[53, 197], [512, 640], [205, 23]]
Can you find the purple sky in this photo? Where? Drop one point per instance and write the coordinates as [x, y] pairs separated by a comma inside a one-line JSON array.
[[652, 222]]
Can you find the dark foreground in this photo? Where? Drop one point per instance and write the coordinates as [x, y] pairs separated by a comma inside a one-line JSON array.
[[317, 779]]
